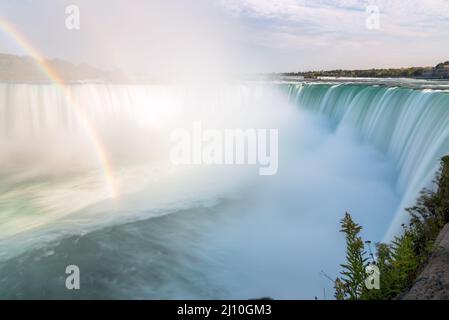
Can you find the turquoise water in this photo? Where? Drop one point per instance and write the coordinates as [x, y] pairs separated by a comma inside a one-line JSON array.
[[410, 126], [205, 232]]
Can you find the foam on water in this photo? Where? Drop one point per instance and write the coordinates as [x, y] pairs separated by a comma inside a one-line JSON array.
[[204, 231]]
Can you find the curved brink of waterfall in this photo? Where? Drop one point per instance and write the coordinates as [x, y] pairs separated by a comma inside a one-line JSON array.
[[411, 127], [204, 232]]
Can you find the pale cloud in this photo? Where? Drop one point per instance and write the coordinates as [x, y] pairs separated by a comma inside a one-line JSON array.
[[173, 36], [336, 31], [295, 9], [400, 17]]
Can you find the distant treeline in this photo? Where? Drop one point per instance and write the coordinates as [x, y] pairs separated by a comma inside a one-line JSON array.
[[23, 68], [441, 71]]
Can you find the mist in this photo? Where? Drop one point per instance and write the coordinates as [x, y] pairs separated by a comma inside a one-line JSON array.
[[247, 235], [156, 40], [173, 231]]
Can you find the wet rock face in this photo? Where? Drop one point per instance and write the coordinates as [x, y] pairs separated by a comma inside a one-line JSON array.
[[433, 282]]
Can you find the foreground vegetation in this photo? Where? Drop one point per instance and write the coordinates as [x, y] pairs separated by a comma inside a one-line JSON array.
[[400, 261]]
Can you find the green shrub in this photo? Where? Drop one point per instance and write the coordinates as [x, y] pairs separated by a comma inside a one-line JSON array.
[[351, 284], [400, 261]]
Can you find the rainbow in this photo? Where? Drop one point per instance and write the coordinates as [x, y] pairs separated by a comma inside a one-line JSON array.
[[54, 76]]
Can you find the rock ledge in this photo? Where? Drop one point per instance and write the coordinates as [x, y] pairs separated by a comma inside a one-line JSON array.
[[433, 282]]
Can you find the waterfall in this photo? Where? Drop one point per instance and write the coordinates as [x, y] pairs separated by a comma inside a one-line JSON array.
[[55, 209], [37, 123], [30, 110], [410, 126]]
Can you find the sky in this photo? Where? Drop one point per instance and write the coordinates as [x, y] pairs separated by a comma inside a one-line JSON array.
[[166, 37]]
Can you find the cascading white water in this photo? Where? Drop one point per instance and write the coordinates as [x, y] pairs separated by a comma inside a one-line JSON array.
[[50, 168], [201, 232], [410, 126]]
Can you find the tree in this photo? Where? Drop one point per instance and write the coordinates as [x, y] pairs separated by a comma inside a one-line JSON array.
[[404, 261], [351, 284]]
